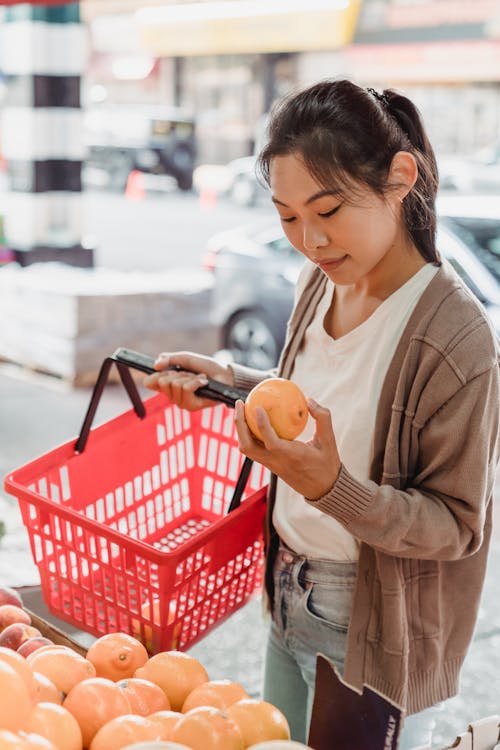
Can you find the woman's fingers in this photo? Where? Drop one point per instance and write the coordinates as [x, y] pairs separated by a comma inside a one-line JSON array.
[[248, 443], [323, 434], [178, 386], [179, 375], [269, 436], [181, 386], [194, 363], [244, 434], [185, 360], [311, 467]]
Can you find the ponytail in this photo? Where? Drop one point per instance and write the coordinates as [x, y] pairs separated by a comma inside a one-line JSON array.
[[419, 205]]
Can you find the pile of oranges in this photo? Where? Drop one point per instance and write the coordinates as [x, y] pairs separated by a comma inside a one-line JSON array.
[[117, 695]]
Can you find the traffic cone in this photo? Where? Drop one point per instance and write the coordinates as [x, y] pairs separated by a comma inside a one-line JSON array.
[[207, 197], [135, 189]]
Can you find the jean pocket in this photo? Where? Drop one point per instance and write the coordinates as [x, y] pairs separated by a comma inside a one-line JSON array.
[[330, 603]]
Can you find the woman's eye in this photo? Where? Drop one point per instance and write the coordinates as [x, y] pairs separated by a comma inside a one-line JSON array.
[[330, 213], [287, 220]]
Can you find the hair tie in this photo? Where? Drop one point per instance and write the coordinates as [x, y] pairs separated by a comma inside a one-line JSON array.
[[382, 98]]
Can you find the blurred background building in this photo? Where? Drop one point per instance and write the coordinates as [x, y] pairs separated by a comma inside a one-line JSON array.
[[164, 86], [227, 61]]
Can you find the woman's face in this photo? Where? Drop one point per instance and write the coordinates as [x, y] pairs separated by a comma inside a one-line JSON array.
[[347, 240]]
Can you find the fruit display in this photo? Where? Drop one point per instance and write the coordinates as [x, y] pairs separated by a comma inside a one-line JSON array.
[[114, 696], [285, 404]]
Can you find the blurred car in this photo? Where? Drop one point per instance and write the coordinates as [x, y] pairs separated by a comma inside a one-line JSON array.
[[155, 140], [255, 269], [244, 188], [236, 180], [479, 172]]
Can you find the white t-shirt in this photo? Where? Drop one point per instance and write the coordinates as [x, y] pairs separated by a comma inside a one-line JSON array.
[[346, 375]]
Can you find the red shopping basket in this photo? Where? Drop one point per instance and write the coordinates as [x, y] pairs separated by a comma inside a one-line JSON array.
[[131, 531]]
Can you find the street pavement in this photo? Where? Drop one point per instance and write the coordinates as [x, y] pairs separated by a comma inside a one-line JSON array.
[[39, 412]]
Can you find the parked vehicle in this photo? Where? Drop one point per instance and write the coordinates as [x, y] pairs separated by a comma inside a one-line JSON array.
[[479, 172], [236, 180], [255, 269], [244, 187], [157, 140]]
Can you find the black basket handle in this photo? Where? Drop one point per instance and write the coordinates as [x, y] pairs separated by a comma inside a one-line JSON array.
[[123, 359]]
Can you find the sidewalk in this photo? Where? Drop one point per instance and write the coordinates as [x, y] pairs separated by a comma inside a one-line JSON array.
[[37, 413]]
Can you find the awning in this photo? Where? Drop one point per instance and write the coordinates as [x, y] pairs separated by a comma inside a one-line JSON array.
[[246, 26]]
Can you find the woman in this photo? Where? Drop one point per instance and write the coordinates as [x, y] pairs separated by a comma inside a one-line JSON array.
[[380, 513]]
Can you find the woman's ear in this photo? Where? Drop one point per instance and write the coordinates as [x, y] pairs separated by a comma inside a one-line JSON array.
[[403, 173]]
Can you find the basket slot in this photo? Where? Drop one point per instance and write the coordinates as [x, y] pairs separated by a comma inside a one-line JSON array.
[[219, 595]]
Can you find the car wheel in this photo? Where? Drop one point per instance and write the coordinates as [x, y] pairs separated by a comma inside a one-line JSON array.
[[251, 341], [182, 162], [185, 181]]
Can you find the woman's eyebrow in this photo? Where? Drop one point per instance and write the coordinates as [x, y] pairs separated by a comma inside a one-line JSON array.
[[311, 199], [280, 203], [320, 194]]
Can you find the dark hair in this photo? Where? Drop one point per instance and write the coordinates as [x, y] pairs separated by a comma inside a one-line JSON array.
[[348, 135]]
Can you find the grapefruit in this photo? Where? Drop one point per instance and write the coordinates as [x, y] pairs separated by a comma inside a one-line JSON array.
[[285, 404]]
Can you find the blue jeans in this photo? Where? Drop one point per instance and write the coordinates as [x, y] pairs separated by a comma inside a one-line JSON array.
[[312, 607]]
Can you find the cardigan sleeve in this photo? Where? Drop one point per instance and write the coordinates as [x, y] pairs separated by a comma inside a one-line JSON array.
[[247, 377], [440, 514]]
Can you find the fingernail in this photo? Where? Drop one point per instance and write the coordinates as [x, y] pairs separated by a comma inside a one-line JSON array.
[[312, 403], [161, 358], [203, 379]]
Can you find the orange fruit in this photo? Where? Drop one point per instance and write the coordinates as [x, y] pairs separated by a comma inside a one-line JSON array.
[[207, 728], [176, 673], [167, 721], [44, 690], [217, 693], [36, 742], [64, 667], [15, 698], [123, 731], [18, 662], [56, 724], [258, 721], [117, 655], [144, 696], [151, 615], [11, 741], [94, 702], [285, 404], [23, 741]]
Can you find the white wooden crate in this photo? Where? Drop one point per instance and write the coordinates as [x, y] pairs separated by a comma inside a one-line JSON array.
[[65, 321]]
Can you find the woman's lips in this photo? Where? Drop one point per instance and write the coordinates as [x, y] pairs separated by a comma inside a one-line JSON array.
[[332, 265]]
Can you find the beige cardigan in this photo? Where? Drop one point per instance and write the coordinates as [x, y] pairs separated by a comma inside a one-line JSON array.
[[424, 519]]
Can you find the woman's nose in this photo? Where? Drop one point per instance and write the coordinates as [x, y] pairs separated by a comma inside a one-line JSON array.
[[314, 237]]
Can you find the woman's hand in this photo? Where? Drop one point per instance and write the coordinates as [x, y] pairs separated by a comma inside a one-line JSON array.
[[310, 468], [179, 385]]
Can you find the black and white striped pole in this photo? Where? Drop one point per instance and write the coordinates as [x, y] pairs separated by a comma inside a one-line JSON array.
[[43, 53]]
